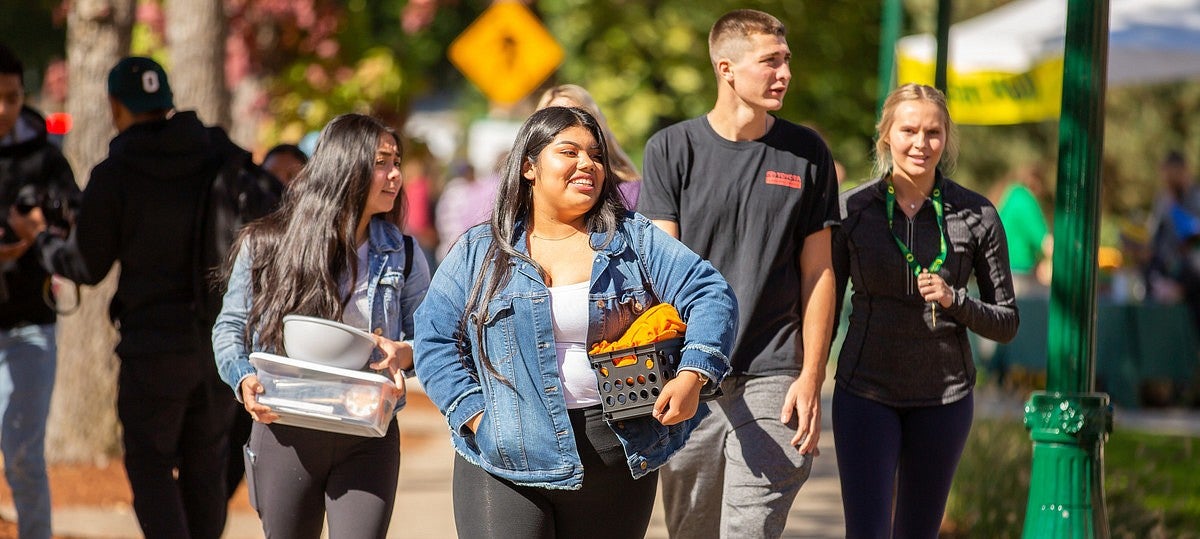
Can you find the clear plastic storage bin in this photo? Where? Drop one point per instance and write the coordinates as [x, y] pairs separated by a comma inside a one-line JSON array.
[[316, 396]]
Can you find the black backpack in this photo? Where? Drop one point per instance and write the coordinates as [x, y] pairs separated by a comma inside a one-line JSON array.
[[240, 192]]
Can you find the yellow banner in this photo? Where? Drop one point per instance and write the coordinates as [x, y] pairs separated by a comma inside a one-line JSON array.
[[993, 97]]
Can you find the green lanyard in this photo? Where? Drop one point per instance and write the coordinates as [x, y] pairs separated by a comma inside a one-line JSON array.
[[941, 224]]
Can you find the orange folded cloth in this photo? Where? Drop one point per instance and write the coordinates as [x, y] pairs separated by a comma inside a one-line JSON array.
[[658, 323]]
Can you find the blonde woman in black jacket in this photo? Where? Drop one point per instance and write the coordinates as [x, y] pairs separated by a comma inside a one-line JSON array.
[[910, 242]]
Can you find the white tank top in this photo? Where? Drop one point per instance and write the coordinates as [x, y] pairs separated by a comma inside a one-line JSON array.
[[569, 310], [358, 311]]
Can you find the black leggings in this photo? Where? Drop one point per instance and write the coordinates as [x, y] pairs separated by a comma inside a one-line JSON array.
[[611, 504], [299, 478], [908, 453]]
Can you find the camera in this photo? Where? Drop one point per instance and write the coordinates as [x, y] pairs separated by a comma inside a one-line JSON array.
[[58, 207]]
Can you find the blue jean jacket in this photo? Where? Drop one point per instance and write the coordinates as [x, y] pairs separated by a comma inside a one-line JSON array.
[[393, 301], [525, 434]]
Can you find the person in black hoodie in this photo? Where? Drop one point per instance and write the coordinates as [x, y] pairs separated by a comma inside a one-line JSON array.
[[139, 209], [32, 173]]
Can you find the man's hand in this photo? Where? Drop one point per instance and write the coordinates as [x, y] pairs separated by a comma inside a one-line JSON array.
[[27, 226], [804, 401]]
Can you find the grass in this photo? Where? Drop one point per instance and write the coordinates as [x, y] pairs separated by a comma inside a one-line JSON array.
[[1152, 483]]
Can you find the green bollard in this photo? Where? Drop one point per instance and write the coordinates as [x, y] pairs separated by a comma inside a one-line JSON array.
[[1066, 496]]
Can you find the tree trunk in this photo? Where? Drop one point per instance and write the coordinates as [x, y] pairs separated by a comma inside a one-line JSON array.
[[83, 421], [247, 113], [195, 35]]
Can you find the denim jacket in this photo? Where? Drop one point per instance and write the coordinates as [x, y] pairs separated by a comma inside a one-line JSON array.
[[525, 434], [393, 301]]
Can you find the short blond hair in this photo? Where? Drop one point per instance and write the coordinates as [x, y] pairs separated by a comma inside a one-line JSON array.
[[903, 94], [730, 35]]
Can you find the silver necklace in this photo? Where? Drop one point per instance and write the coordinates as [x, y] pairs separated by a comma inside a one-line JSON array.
[[573, 232]]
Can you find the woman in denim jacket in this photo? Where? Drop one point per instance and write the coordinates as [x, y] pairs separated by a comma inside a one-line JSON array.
[[502, 339], [327, 252]]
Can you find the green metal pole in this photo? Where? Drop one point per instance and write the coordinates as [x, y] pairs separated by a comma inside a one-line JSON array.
[[943, 44], [889, 33], [1068, 422]]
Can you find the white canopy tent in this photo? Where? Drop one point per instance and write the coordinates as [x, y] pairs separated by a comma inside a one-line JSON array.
[[1005, 66]]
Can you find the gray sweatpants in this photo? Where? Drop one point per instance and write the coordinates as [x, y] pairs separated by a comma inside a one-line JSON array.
[[739, 473]]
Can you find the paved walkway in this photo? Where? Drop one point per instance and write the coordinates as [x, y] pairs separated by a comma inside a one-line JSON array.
[[423, 503]]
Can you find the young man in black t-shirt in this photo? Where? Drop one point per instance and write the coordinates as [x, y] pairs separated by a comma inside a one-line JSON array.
[[755, 195]]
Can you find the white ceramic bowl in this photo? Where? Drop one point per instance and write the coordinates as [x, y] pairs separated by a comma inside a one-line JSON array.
[[326, 342]]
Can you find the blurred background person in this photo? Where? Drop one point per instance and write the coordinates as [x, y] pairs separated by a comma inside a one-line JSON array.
[[1173, 273], [284, 161], [33, 174], [420, 195], [1025, 227], [139, 210], [466, 201], [627, 175]]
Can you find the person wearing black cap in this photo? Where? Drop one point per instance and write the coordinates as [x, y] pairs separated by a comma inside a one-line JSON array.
[[138, 209], [32, 173]]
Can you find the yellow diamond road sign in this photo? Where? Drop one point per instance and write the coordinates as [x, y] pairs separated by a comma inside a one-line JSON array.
[[506, 52]]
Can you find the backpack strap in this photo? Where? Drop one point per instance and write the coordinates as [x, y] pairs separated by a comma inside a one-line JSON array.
[[408, 256]]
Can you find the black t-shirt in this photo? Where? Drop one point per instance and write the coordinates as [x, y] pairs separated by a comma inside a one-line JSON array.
[[747, 207]]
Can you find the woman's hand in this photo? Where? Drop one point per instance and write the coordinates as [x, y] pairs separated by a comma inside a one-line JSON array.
[[933, 288], [250, 389], [397, 358], [679, 398]]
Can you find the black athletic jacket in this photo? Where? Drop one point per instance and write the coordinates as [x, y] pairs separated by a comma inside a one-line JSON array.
[[898, 349]]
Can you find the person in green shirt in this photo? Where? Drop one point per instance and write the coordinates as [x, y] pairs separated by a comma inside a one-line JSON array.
[[1025, 226]]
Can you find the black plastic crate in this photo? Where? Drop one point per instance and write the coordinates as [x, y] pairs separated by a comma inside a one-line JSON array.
[[630, 390]]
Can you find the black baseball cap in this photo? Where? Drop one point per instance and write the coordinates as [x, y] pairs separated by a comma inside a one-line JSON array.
[[140, 84]]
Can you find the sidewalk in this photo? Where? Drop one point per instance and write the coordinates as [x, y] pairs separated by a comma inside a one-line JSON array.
[[423, 501], [424, 506]]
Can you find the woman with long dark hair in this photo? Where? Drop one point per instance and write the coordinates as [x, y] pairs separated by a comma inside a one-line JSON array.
[[328, 252], [626, 174], [503, 334]]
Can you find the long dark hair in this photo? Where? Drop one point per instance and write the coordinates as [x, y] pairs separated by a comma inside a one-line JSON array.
[[302, 250], [514, 203]]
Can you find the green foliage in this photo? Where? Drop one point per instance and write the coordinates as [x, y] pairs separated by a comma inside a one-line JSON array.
[[35, 33], [992, 481], [1152, 483], [1161, 476]]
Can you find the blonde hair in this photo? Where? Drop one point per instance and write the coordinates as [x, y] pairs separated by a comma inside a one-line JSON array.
[[903, 94], [622, 165], [729, 37]]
